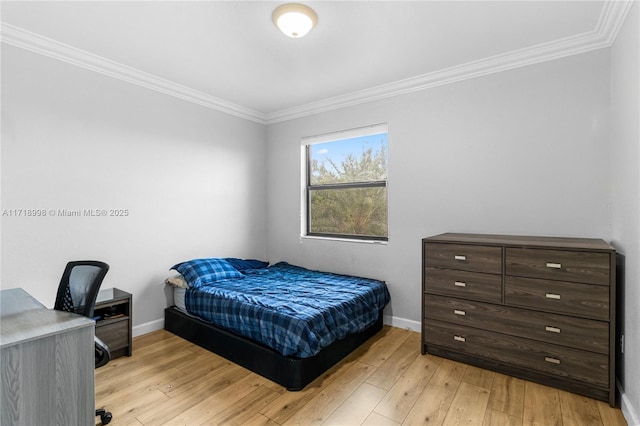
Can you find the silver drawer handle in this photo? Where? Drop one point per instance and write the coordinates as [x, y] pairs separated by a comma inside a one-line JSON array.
[[459, 312], [552, 360], [459, 339], [552, 329], [460, 284], [554, 265], [458, 257], [553, 296]]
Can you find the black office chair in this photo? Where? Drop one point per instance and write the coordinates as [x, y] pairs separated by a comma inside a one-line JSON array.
[[77, 293]]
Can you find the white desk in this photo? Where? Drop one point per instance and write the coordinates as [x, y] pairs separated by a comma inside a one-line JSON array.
[[47, 360]]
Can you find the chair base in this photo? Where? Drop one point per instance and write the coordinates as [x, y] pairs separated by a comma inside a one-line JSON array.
[[105, 416]]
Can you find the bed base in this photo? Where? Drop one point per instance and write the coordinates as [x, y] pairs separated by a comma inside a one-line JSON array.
[[292, 373]]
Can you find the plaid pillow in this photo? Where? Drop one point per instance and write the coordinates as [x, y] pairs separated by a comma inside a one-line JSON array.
[[242, 264], [198, 272]]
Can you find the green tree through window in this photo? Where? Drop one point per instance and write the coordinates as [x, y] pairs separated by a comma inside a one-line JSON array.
[[347, 188]]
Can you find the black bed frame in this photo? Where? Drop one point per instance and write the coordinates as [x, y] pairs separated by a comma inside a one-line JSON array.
[[292, 373]]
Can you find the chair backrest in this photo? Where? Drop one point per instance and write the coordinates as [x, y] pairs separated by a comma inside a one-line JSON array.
[[79, 286]]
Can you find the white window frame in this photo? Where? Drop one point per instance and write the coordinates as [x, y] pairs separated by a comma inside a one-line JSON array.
[[305, 177]]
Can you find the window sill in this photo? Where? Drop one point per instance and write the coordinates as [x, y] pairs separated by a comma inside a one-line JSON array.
[[346, 240]]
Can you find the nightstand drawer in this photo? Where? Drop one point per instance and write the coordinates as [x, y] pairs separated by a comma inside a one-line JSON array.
[[473, 285], [114, 334], [575, 266], [555, 360], [578, 333], [464, 257], [591, 301], [113, 311]]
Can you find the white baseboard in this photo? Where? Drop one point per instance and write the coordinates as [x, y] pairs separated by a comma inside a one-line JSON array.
[[402, 323], [629, 412], [147, 327]]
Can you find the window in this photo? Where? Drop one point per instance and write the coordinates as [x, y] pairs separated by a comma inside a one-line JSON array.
[[346, 184]]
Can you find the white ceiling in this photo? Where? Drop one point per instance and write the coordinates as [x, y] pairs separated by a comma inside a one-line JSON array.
[[228, 54]]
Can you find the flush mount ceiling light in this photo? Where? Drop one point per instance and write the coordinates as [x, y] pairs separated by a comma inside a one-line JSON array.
[[294, 19]]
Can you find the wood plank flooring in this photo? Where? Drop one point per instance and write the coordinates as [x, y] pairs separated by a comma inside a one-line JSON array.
[[169, 381]]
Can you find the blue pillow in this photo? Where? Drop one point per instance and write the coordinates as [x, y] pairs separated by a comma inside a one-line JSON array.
[[198, 272], [242, 264]]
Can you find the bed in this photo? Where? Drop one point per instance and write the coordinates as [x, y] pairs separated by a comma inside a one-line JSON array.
[[284, 322]]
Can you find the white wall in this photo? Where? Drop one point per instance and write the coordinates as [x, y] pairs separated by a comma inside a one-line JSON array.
[[518, 152], [191, 179], [625, 148]]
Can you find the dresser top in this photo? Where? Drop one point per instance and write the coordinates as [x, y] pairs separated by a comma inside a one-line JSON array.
[[520, 240]]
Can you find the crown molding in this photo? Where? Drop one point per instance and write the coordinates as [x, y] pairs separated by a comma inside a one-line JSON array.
[[18, 37], [611, 19], [614, 13], [609, 23]]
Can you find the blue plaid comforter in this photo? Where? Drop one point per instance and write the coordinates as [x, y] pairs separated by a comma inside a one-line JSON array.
[[291, 309]]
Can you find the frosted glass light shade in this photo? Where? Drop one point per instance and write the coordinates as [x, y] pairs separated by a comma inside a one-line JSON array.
[[294, 20]]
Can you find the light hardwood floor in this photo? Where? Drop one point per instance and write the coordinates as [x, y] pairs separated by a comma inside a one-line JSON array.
[[384, 382]]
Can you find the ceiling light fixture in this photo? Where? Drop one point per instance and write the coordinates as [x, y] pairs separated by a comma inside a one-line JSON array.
[[294, 19]]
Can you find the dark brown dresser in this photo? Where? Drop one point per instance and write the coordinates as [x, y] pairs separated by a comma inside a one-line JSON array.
[[538, 308]]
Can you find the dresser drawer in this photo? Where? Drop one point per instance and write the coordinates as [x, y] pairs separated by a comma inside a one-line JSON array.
[[578, 333], [464, 257], [591, 301], [559, 361], [576, 266], [472, 285]]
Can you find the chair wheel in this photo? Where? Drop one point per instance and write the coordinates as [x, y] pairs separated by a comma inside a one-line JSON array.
[[106, 418]]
